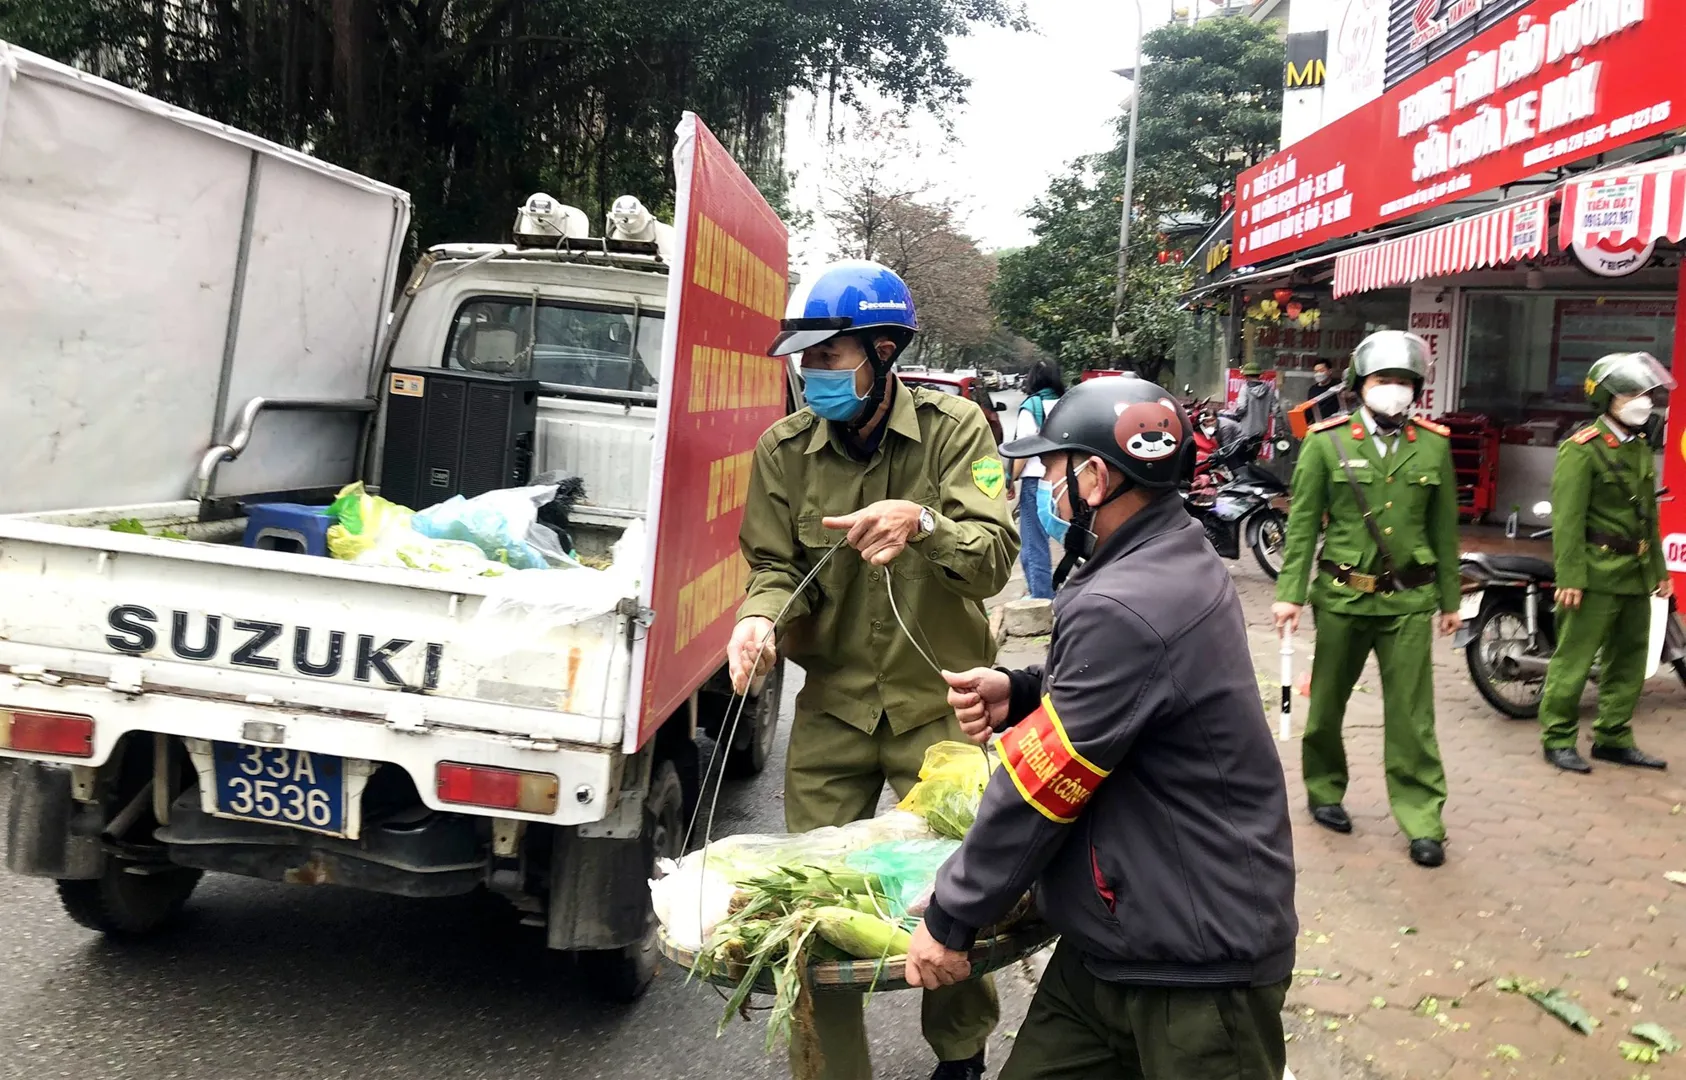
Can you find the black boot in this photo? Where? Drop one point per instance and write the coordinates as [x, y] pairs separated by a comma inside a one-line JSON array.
[[1430, 853], [1627, 755], [1568, 759], [1332, 817], [970, 1069]]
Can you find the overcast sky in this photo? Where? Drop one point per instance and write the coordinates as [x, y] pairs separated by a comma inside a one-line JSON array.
[[1037, 101]]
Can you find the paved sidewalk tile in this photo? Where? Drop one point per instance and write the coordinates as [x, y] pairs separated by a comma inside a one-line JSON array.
[[1549, 878]]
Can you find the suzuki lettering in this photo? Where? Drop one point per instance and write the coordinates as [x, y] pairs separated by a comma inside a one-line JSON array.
[[269, 646]]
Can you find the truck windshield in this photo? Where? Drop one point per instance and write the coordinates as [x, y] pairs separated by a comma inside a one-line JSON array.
[[605, 348]]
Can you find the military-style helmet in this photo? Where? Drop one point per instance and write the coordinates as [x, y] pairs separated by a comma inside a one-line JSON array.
[[1134, 425], [1626, 375], [1393, 352], [1251, 370]]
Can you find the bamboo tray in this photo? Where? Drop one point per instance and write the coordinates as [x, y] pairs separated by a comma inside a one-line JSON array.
[[1006, 946]]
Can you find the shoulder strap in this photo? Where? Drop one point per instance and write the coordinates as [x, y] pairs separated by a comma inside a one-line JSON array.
[[1034, 404], [1617, 475], [1364, 508]]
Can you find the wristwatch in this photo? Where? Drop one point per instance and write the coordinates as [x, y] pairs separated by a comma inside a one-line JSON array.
[[927, 524]]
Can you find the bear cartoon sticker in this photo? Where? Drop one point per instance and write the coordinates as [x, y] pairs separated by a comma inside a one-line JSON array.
[[1148, 430]]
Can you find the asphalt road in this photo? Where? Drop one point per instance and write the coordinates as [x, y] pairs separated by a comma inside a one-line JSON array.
[[276, 981]]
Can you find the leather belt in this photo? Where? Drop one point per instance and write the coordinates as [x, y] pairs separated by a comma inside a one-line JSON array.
[[1621, 545], [1412, 577]]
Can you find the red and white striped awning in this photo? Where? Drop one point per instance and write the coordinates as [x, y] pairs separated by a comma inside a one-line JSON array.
[[1494, 238], [1634, 205]]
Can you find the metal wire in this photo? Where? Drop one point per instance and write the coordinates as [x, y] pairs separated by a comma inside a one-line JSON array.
[[728, 733], [929, 659]]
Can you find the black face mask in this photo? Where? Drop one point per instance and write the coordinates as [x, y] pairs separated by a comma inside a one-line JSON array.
[[1080, 536]]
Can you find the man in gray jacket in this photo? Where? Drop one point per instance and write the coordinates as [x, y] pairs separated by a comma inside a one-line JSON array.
[[1141, 793]]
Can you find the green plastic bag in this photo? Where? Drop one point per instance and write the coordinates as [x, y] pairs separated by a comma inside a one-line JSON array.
[[906, 869], [362, 520]]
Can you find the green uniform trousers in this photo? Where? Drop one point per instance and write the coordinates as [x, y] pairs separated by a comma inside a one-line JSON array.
[[1403, 644], [1081, 1028], [835, 774], [1616, 631]]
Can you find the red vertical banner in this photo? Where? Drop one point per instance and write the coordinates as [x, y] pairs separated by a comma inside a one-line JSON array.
[[719, 392], [1673, 510]]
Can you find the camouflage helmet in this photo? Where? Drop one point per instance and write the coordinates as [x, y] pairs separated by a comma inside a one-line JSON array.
[[1624, 375], [1392, 352]]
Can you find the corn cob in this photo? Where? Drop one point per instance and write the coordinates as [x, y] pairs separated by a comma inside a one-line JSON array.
[[861, 935]]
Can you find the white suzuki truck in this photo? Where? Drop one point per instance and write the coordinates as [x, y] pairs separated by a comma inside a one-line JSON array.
[[198, 323]]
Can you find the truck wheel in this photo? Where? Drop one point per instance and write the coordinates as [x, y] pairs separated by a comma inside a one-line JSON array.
[[758, 729], [121, 904], [622, 975]]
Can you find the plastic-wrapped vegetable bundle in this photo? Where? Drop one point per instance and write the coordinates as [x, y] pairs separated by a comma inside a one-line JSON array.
[[500, 524], [691, 901], [373, 531], [951, 783]]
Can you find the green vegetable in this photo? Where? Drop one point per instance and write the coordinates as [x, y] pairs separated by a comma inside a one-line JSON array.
[[1661, 1036], [128, 525], [864, 936], [1644, 1053], [1559, 1004]]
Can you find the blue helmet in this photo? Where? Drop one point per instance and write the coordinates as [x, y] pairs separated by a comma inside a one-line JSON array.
[[846, 296]]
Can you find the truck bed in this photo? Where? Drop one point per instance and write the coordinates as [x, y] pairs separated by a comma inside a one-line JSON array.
[[300, 632]]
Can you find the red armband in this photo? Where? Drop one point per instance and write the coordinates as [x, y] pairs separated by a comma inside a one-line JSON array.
[[1050, 774]]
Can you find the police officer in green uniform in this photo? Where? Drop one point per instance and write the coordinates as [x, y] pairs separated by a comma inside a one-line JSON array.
[[1389, 562], [910, 480], [1609, 560]]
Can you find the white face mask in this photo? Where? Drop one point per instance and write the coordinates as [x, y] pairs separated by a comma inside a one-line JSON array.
[[1388, 399], [1635, 413]]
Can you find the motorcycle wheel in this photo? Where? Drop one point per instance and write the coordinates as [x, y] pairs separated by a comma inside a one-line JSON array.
[[1501, 631], [1270, 540]]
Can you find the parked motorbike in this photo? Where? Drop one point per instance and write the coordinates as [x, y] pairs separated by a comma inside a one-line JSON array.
[[1238, 502], [1510, 628]]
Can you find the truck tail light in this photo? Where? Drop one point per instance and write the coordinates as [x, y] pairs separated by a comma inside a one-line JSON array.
[[63, 734], [502, 789]]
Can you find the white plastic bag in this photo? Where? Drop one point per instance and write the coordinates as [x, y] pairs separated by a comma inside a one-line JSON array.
[[529, 602], [500, 523]]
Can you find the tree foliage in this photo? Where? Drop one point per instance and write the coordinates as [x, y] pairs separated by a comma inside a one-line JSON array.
[[473, 104], [880, 209], [1210, 106]]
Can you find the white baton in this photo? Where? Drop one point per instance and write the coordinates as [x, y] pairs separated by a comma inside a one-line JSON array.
[[1286, 727]]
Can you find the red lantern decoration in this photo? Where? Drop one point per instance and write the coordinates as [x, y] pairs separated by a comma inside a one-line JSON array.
[[1293, 309], [1284, 295]]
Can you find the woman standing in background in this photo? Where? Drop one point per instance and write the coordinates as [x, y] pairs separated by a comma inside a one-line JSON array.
[[1043, 387]]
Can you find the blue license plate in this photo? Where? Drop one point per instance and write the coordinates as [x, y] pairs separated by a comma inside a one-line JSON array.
[[281, 787]]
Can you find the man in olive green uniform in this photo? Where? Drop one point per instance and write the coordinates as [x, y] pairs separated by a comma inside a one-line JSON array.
[[1609, 560], [1378, 583], [910, 480]]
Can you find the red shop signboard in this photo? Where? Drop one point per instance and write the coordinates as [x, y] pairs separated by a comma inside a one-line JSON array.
[[1561, 81]]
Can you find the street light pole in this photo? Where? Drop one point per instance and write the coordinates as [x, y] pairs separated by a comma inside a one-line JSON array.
[[1129, 177]]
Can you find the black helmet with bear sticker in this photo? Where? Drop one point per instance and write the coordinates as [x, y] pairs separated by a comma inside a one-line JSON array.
[[1132, 424]]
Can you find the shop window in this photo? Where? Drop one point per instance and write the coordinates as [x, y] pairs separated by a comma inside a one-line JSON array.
[[1526, 355], [1291, 350]]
